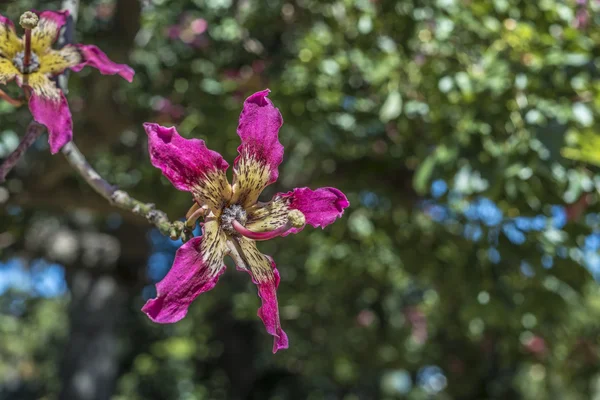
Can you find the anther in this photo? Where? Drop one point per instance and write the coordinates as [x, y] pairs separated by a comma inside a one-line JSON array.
[[295, 220], [29, 20]]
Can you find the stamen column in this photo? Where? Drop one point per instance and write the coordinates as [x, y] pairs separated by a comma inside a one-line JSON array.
[[28, 21]]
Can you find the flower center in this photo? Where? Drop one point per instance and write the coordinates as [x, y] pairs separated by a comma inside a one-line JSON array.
[[19, 62], [230, 214]]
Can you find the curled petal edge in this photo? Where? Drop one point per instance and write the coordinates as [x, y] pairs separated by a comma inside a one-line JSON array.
[[94, 57]]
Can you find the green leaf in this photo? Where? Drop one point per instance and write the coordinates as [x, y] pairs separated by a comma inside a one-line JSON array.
[[391, 108], [423, 174]]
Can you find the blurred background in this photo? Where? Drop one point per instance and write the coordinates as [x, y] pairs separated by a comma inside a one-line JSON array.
[[463, 133]]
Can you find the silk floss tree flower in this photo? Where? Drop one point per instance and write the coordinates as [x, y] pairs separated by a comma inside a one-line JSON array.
[[32, 62], [234, 219]]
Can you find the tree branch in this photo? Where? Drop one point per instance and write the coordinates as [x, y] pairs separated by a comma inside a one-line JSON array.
[[34, 131], [67, 36], [120, 198], [72, 6]]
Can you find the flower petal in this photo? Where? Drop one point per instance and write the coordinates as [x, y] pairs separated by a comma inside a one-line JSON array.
[[265, 276], [40, 83], [8, 71], [189, 165], [320, 207], [47, 30], [94, 57], [56, 61], [51, 111], [10, 44], [196, 269], [260, 152]]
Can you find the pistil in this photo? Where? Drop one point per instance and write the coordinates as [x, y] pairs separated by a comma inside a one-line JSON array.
[[28, 21]]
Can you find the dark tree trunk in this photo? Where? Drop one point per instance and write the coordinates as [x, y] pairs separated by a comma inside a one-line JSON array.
[[103, 288], [91, 358]]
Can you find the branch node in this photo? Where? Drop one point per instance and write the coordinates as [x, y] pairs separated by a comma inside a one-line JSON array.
[[153, 216], [119, 197]]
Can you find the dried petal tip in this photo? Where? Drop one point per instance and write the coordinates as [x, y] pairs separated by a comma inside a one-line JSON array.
[[296, 218], [29, 20]]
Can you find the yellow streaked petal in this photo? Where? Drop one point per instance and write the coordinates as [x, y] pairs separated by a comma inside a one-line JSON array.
[[214, 190], [44, 35], [41, 85], [10, 44], [7, 71], [214, 245], [266, 217], [250, 178], [56, 61], [258, 264]]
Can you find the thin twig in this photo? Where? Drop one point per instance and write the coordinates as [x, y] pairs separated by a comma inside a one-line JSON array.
[[13, 102], [34, 131], [122, 199]]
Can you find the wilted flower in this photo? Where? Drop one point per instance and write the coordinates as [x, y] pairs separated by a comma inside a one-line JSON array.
[[32, 62], [234, 219]]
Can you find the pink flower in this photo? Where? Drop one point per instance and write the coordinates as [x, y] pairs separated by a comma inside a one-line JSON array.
[[234, 219], [31, 61], [189, 30]]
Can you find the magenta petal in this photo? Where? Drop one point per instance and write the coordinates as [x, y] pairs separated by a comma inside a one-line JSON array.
[[94, 57], [321, 207], [10, 44], [56, 18], [47, 29], [259, 129], [187, 279], [185, 162], [269, 310], [7, 23], [56, 116]]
